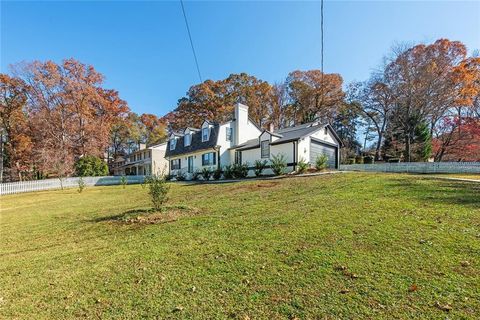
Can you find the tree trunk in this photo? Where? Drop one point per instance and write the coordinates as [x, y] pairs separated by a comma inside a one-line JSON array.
[[407, 146], [379, 146]]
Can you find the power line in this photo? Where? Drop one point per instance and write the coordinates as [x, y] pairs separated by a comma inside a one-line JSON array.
[[191, 42], [321, 58], [321, 31]]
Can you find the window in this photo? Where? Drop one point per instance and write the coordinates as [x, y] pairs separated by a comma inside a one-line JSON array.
[[265, 149], [175, 164], [208, 159], [205, 133], [238, 157], [325, 131], [229, 134], [187, 139], [173, 143]]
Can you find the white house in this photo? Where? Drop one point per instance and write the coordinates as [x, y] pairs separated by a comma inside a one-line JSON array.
[[240, 140], [145, 161]]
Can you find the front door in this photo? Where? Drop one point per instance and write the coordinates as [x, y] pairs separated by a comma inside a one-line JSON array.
[[190, 164]]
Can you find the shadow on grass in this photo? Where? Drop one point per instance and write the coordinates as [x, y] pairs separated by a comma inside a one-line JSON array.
[[149, 215], [441, 191]]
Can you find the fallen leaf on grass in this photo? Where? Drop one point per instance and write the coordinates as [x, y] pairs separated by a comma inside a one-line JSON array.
[[343, 291], [465, 263], [178, 309], [413, 288], [444, 307]]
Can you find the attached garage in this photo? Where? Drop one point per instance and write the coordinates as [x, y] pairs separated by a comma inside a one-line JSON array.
[[318, 148]]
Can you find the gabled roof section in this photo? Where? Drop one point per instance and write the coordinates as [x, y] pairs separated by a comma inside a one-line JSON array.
[[196, 143], [297, 132], [176, 133], [271, 133], [191, 129], [289, 134], [340, 142]]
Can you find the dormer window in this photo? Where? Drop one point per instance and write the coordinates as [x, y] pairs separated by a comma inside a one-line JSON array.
[[205, 134], [187, 139], [173, 143], [325, 131]]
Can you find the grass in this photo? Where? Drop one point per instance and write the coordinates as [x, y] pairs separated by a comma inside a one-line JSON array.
[[471, 176], [356, 245]]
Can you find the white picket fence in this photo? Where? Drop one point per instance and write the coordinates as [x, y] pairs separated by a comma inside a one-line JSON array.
[[49, 184], [416, 167]]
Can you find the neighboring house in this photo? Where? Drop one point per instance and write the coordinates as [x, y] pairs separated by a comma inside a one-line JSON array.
[[145, 161], [240, 140]]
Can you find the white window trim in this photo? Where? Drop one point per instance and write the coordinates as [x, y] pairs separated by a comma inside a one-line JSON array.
[[208, 134], [189, 135]]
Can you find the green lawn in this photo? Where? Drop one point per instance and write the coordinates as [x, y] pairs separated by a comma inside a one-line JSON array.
[[357, 245]]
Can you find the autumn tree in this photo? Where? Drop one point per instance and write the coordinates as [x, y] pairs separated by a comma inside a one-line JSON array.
[[15, 140], [428, 82], [154, 129], [375, 101], [314, 95], [71, 114], [214, 100]]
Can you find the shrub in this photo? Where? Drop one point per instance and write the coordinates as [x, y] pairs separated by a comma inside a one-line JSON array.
[[321, 162], [180, 176], [228, 172], [359, 159], [157, 190], [259, 165], [240, 170], [206, 174], [91, 166], [394, 160], [196, 175], [368, 160], [168, 177], [217, 174], [123, 181], [278, 164], [302, 166], [81, 185]]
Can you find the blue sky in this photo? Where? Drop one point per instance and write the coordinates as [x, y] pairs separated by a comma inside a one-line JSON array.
[[143, 50]]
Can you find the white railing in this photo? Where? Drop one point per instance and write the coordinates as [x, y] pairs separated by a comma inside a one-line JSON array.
[[416, 167], [50, 184]]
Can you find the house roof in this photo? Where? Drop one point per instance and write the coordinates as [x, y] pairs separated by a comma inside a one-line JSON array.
[[196, 144], [295, 133], [284, 135], [249, 144]]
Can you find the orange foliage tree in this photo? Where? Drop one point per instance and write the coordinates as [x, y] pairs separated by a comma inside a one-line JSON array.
[[15, 140]]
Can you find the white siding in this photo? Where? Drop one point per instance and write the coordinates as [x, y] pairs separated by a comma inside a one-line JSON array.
[[250, 156], [225, 154], [159, 164], [304, 145], [197, 162]]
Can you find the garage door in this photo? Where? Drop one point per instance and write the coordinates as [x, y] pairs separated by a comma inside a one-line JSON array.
[[317, 149]]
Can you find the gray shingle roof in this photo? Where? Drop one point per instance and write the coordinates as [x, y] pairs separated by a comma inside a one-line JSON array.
[[195, 145], [285, 135]]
